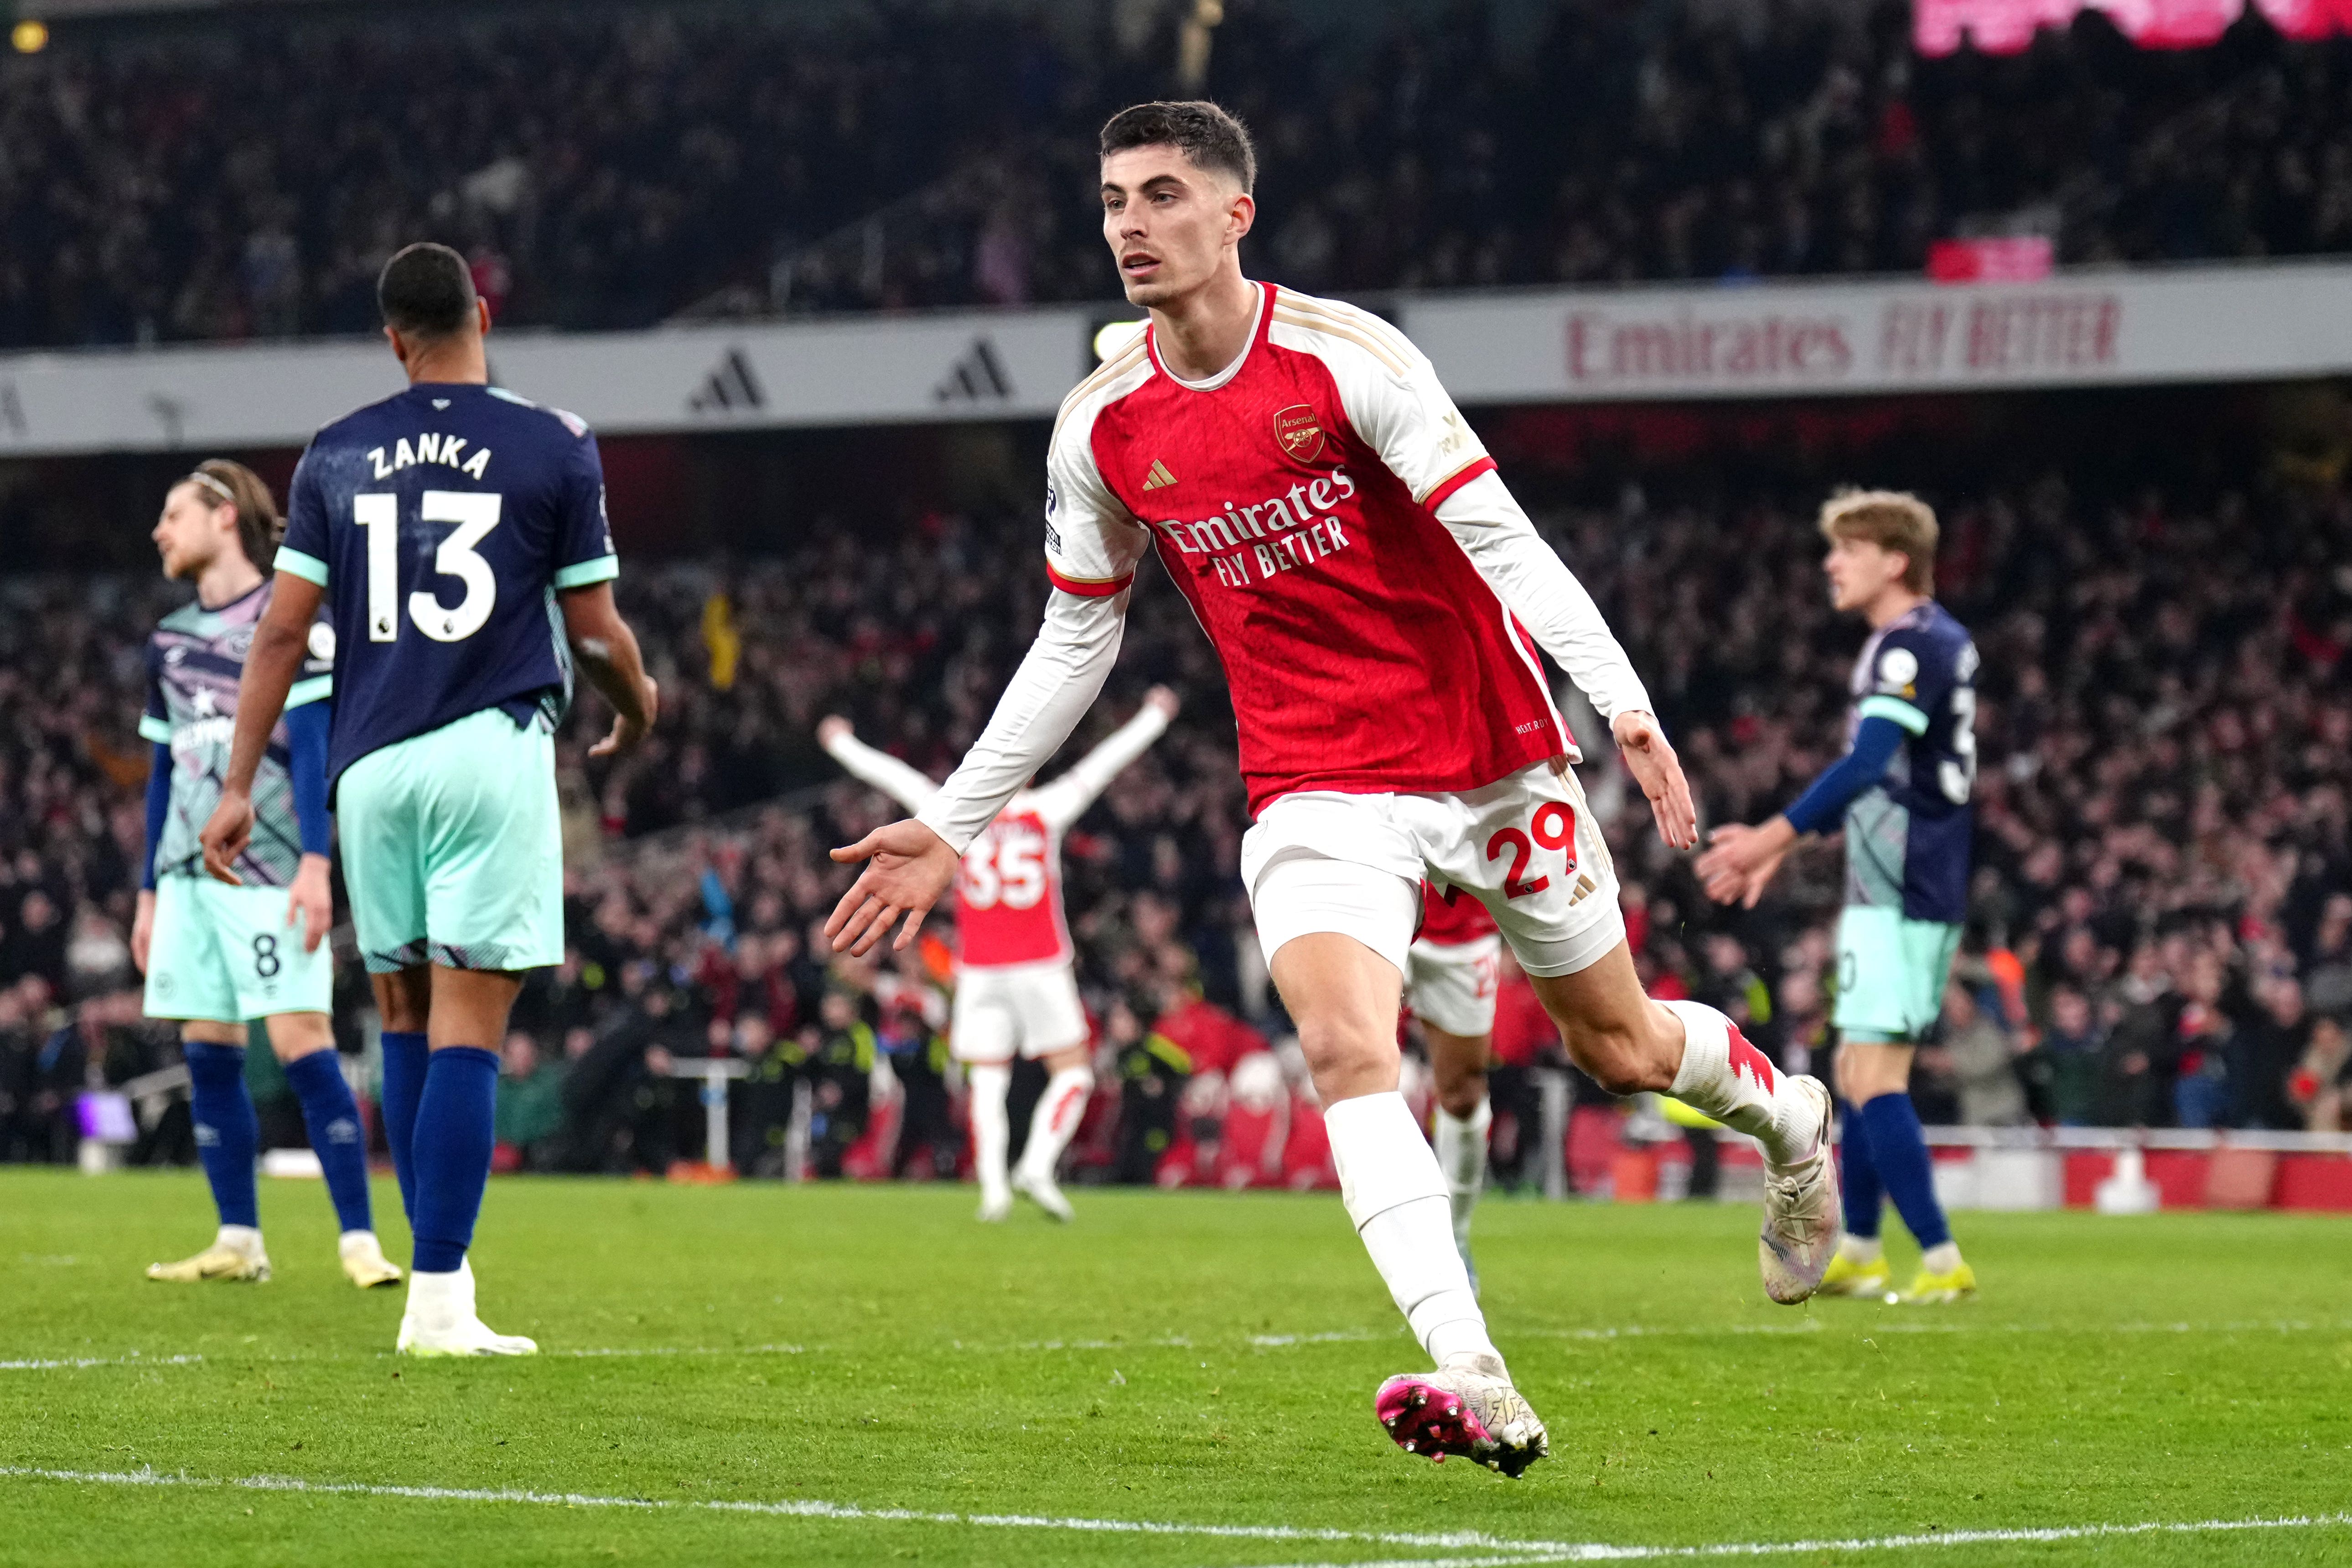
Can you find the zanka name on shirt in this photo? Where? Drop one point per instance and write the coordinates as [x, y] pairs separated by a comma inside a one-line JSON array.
[[429, 448], [1271, 537]]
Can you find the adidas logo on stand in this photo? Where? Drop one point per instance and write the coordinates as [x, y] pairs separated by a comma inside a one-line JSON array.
[[977, 377], [729, 386], [1158, 476]]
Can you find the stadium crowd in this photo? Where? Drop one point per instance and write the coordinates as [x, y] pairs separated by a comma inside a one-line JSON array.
[[2161, 922], [609, 168]]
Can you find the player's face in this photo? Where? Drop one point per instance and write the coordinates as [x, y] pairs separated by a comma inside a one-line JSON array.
[[1859, 571], [1168, 222], [189, 534]]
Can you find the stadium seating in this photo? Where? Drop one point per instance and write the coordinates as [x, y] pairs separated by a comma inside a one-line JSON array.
[[199, 179]]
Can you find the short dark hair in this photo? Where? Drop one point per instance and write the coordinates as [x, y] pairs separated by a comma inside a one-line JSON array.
[[1207, 135], [425, 291]]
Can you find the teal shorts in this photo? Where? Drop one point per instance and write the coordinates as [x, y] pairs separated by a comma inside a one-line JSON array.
[[226, 954], [453, 847], [1890, 974]]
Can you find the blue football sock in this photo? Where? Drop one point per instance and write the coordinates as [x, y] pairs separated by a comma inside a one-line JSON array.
[[333, 1117], [226, 1131], [1900, 1151], [451, 1150], [403, 1086], [1858, 1177]]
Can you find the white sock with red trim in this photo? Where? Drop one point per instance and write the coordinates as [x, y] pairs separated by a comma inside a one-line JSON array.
[[1395, 1194], [991, 1129], [1055, 1122], [1724, 1077]]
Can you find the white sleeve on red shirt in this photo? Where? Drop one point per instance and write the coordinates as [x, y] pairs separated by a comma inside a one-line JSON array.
[[1057, 683], [908, 785], [1065, 800], [1535, 585], [1394, 400], [1093, 544]]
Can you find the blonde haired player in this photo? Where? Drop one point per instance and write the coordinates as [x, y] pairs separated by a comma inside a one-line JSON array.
[[1901, 794], [216, 957], [1015, 991], [1376, 596]]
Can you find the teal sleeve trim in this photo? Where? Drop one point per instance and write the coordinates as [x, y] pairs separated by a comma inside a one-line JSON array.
[[153, 729], [1897, 710], [307, 567], [604, 568], [316, 689]]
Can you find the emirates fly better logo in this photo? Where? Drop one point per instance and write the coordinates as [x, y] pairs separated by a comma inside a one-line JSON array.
[[1298, 431]]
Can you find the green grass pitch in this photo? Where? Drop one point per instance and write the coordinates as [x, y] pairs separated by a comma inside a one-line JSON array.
[[1184, 1360]]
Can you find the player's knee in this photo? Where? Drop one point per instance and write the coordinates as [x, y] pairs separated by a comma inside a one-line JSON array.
[[1459, 1090], [293, 1036], [1344, 1053]]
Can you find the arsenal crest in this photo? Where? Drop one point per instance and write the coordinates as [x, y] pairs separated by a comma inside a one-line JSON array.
[[1298, 432]]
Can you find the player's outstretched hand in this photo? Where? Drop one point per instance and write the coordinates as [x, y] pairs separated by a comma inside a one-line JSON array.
[[1740, 862], [1163, 698], [832, 727], [224, 837], [311, 903], [907, 868], [628, 730], [1651, 757]]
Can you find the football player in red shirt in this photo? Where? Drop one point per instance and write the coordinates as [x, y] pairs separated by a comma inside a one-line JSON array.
[[1377, 598], [1016, 992]]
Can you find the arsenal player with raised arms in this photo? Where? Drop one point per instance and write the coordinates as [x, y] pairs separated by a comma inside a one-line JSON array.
[[1377, 597], [1016, 990]]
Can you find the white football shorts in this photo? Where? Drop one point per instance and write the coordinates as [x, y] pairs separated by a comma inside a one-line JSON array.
[[1016, 1009], [1526, 847], [1451, 985]]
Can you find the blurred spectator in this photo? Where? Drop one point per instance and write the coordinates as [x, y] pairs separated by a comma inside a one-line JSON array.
[[1982, 1062], [530, 1108], [611, 168]]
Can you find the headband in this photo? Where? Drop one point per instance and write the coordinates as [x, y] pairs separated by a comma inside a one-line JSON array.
[[213, 485]]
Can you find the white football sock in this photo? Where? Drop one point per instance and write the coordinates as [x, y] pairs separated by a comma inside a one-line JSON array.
[[1941, 1259], [1745, 1095], [244, 1238], [351, 1240], [440, 1300], [1462, 1156], [1396, 1195], [1861, 1249], [991, 1129], [1055, 1122]]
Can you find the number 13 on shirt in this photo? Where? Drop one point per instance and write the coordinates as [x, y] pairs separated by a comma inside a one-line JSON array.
[[475, 512]]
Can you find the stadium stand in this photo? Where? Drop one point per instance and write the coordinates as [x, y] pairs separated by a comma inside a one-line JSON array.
[[197, 179], [2156, 938]]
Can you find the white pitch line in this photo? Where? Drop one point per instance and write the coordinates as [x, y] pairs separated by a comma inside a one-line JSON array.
[[1520, 1553], [797, 1509], [1601, 1552], [76, 1363]]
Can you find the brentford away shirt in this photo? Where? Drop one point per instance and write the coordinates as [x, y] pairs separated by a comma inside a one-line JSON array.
[[441, 522]]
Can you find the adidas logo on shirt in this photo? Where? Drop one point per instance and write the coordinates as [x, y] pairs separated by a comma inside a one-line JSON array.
[[1158, 476]]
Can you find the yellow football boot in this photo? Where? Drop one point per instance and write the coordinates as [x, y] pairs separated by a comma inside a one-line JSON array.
[[364, 1262], [214, 1262], [1863, 1281], [1935, 1289]]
